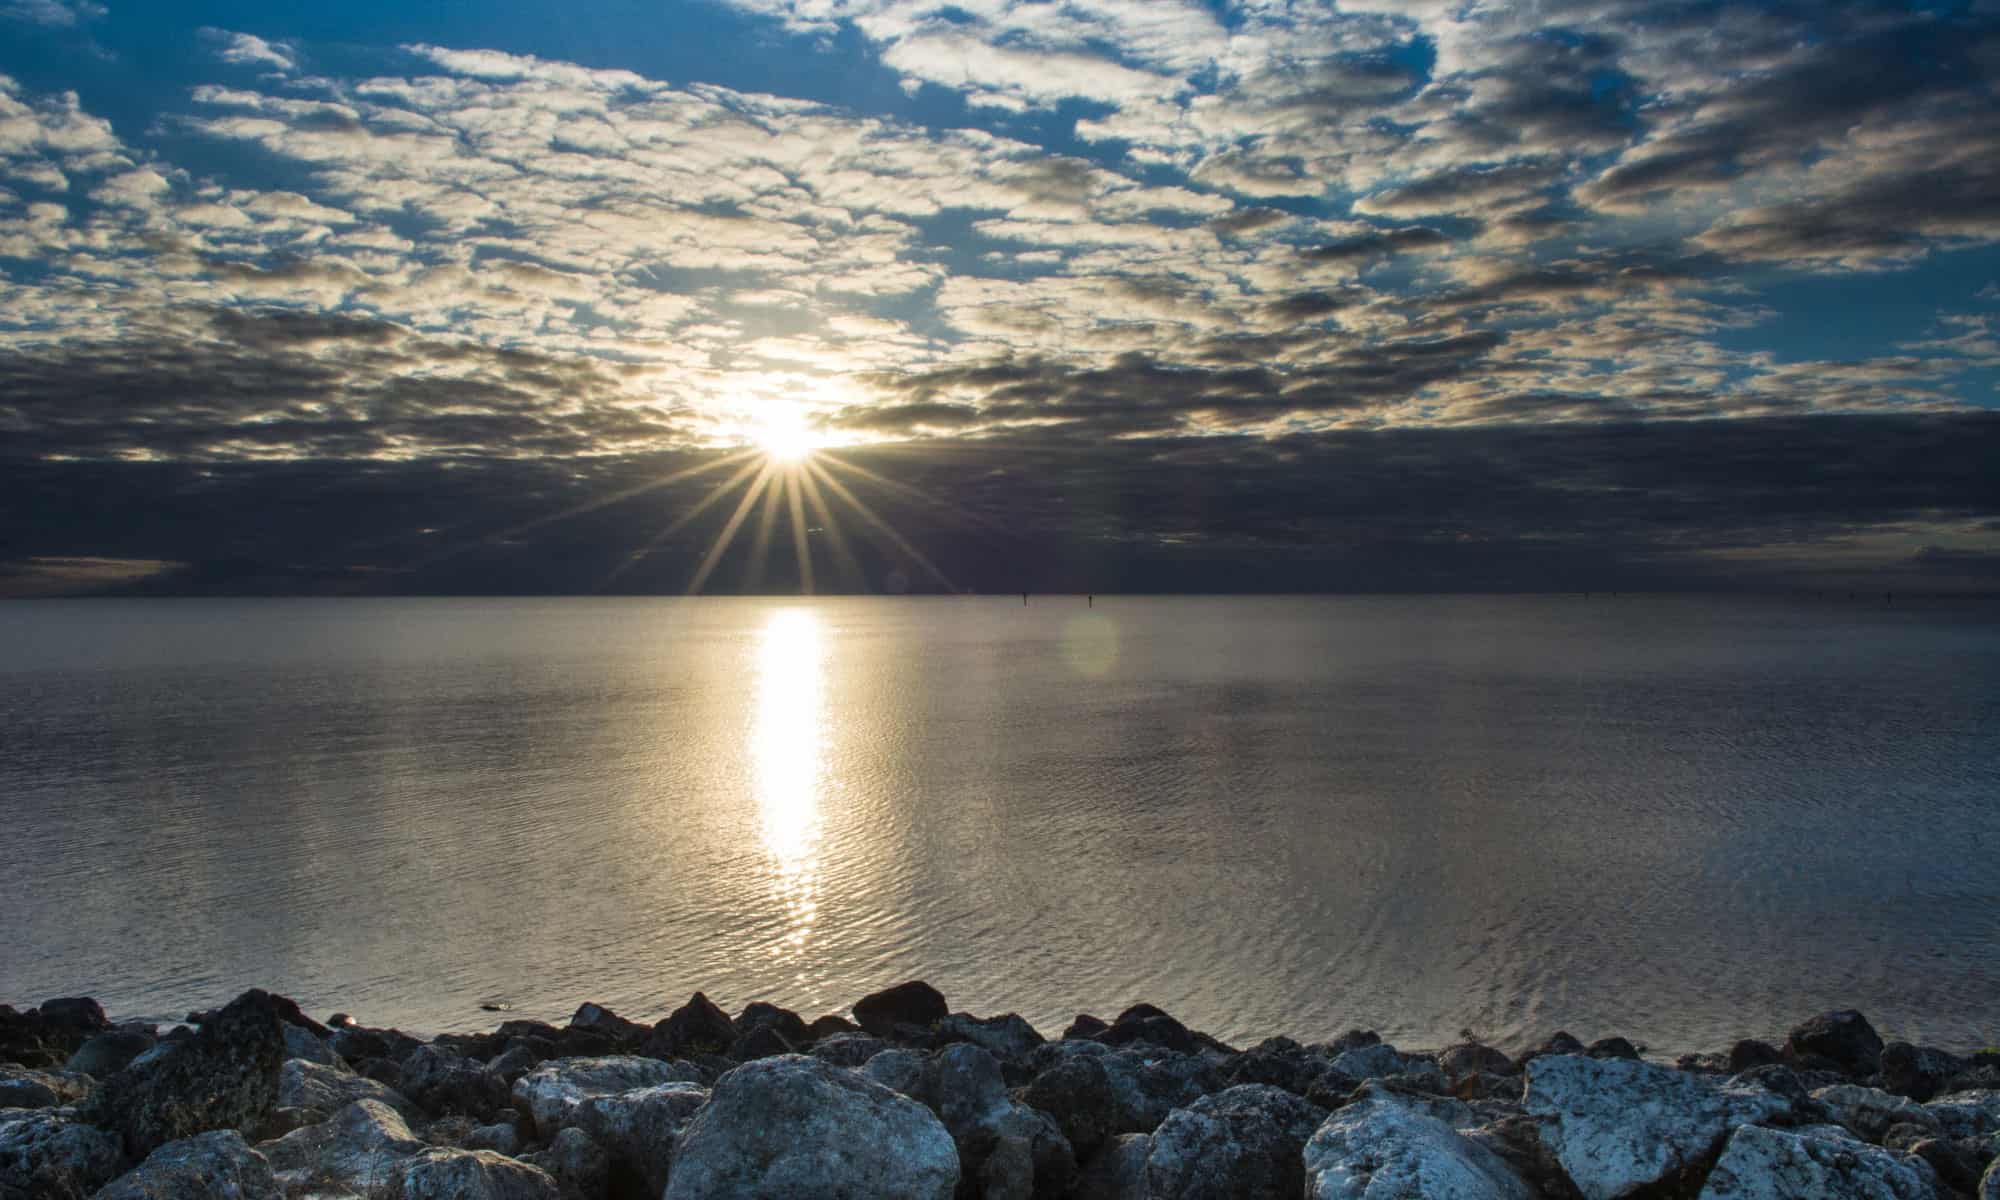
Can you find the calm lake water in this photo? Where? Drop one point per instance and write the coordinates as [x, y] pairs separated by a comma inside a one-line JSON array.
[[1682, 820]]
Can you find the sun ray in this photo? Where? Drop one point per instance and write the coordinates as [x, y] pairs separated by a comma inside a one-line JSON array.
[[678, 523], [767, 520], [800, 547], [913, 494], [843, 554], [867, 514], [728, 534]]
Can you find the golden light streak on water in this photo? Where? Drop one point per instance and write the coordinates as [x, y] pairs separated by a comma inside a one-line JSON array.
[[787, 755]]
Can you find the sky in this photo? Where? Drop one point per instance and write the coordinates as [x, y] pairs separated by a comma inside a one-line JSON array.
[[1097, 295]]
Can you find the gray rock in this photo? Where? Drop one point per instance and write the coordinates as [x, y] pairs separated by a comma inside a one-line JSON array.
[[360, 1150], [1967, 1114], [1381, 1061], [549, 1093], [1385, 1146], [1006, 1171], [1008, 1036], [1870, 1112], [638, 1128], [446, 1084], [110, 1052], [580, 1167], [305, 1044], [899, 1070], [962, 1084], [849, 1049], [501, 1137], [310, 1092], [1844, 1038], [438, 1174], [513, 1062], [225, 1076], [1471, 1058], [1777, 1164], [1919, 1072], [697, 1027], [1242, 1142], [48, 1152], [209, 1166], [1989, 1184], [1117, 1171], [23, 1087], [1618, 1126], [794, 1126]]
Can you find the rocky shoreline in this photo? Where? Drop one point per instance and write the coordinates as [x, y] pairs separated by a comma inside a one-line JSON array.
[[258, 1101]]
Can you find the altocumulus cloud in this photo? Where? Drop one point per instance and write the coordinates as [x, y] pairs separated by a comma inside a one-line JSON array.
[[1399, 295]]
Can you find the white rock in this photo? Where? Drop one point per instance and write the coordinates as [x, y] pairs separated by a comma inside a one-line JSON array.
[[1617, 1125], [1776, 1164], [441, 1174], [550, 1092], [208, 1166], [1383, 1147], [794, 1126], [1870, 1111], [360, 1150]]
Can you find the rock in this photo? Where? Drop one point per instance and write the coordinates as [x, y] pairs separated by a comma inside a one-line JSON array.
[[599, 1019], [445, 1084], [849, 1049], [1559, 1043], [1869, 1112], [21, 1087], [788, 1024], [78, 1015], [1130, 1090], [761, 1042], [1482, 1085], [1989, 1184], [1618, 1126], [638, 1129], [519, 1058], [438, 1174], [1778, 1080], [225, 1076], [359, 1150], [830, 1026], [1077, 1093], [1918, 1072], [1775, 1164], [1117, 1171], [1383, 1147], [1967, 1114], [47, 1152], [304, 1044], [1517, 1141], [309, 1093], [548, 1094], [899, 1070], [794, 1126], [1007, 1037], [697, 1027], [207, 1166], [1468, 1058], [1331, 1088], [962, 1084], [1085, 1026], [1294, 1071], [1244, 1141], [1006, 1171], [1956, 1166], [1845, 1038], [915, 1004], [355, 1045], [105, 1054], [1613, 1047], [501, 1137], [1144, 1023], [579, 1166], [1383, 1061]]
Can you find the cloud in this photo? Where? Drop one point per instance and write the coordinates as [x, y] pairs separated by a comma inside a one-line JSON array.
[[249, 50], [53, 14]]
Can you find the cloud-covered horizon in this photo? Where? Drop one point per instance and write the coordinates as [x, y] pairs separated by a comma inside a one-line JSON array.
[[1083, 240]]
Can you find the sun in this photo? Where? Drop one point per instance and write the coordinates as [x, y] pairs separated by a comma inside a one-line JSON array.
[[783, 436]]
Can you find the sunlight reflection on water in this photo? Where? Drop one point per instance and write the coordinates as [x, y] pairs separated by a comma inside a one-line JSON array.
[[785, 748]]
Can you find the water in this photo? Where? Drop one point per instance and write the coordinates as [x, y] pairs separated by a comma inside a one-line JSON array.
[[1682, 820]]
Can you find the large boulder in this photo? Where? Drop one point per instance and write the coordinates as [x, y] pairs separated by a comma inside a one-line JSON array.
[[310, 1092], [443, 1174], [794, 1126], [1777, 1164], [223, 1077], [1385, 1146], [1844, 1038], [24, 1087], [47, 1152], [697, 1027], [1242, 1142], [1618, 1126], [638, 1130], [915, 1004], [549, 1093], [360, 1150], [218, 1165], [445, 1084]]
